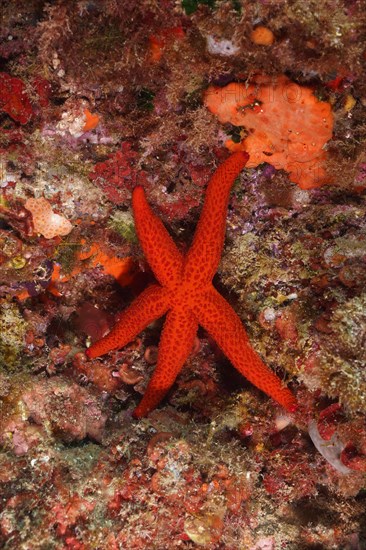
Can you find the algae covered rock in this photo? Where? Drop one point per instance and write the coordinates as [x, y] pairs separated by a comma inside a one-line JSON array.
[[12, 332]]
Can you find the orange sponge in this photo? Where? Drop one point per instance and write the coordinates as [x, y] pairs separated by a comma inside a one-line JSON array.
[[287, 125]]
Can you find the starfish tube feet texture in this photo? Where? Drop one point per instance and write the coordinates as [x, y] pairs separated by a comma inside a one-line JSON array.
[[185, 292], [175, 345], [151, 304], [223, 324]]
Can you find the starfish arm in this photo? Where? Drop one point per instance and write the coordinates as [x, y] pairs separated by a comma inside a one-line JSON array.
[[224, 325], [151, 304], [160, 250], [204, 255], [175, 345]]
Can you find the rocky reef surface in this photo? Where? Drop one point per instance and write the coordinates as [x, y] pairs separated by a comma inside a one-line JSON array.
[[95, 98]]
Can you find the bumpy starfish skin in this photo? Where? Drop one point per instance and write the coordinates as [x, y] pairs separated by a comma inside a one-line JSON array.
[[186, 294]]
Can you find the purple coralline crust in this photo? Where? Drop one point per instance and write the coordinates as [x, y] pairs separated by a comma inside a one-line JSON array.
[[96, 97]]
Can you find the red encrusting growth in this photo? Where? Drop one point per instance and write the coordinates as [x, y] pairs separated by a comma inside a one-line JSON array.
[[14, 99], [188, 296]]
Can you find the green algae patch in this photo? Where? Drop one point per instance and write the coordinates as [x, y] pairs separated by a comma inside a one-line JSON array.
[[122, 223], [12, 333]]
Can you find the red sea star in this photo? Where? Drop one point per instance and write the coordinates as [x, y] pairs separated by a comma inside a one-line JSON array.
[[188, 297]]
